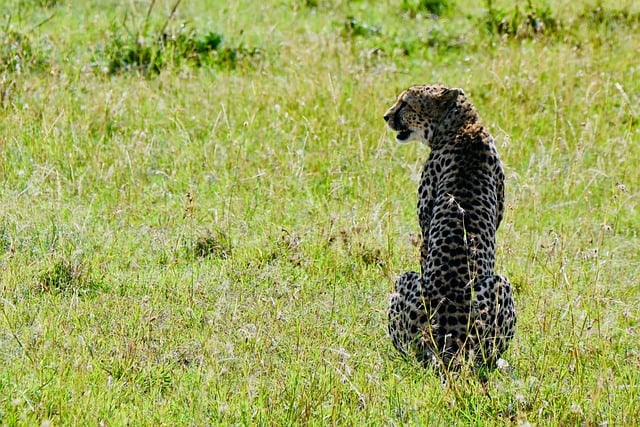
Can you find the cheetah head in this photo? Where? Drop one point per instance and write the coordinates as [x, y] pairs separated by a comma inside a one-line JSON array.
[[420, 111]]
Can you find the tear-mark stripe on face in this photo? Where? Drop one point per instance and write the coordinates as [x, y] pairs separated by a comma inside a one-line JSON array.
[[403, 136]]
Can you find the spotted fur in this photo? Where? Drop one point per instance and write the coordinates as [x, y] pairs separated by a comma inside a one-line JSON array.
[[456, 310]]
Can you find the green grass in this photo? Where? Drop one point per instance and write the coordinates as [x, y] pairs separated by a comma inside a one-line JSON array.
[[214, 243]]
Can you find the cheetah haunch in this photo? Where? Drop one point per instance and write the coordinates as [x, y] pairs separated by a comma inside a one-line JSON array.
[[456, 311]]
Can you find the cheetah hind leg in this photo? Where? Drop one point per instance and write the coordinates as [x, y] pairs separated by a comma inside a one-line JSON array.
[[405, 311], [494, 300]]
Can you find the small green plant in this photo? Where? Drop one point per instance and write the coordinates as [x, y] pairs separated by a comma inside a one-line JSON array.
[[47, 4], [18, 54], [285, 247], [600, 15], [436, 40], [149, 52], [356, 28], [210, 244], [67, 275], [125, 54], [370, 256], [531, 22], [431, 7], [151, 56]]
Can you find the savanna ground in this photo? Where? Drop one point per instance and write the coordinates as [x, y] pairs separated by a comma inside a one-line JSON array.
[[202, 213]]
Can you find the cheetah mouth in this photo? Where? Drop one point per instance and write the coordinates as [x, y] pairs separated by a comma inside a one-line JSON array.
[[403, 135]]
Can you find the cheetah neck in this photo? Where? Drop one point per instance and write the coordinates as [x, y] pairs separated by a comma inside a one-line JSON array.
[[461, 125]]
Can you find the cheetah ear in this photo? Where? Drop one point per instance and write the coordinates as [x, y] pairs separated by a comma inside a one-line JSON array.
[[452, 93]]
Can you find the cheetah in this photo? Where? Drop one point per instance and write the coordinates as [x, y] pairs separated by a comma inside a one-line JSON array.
[[456, 311]]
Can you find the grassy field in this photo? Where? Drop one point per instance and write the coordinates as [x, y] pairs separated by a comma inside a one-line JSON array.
[[202, 213]]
